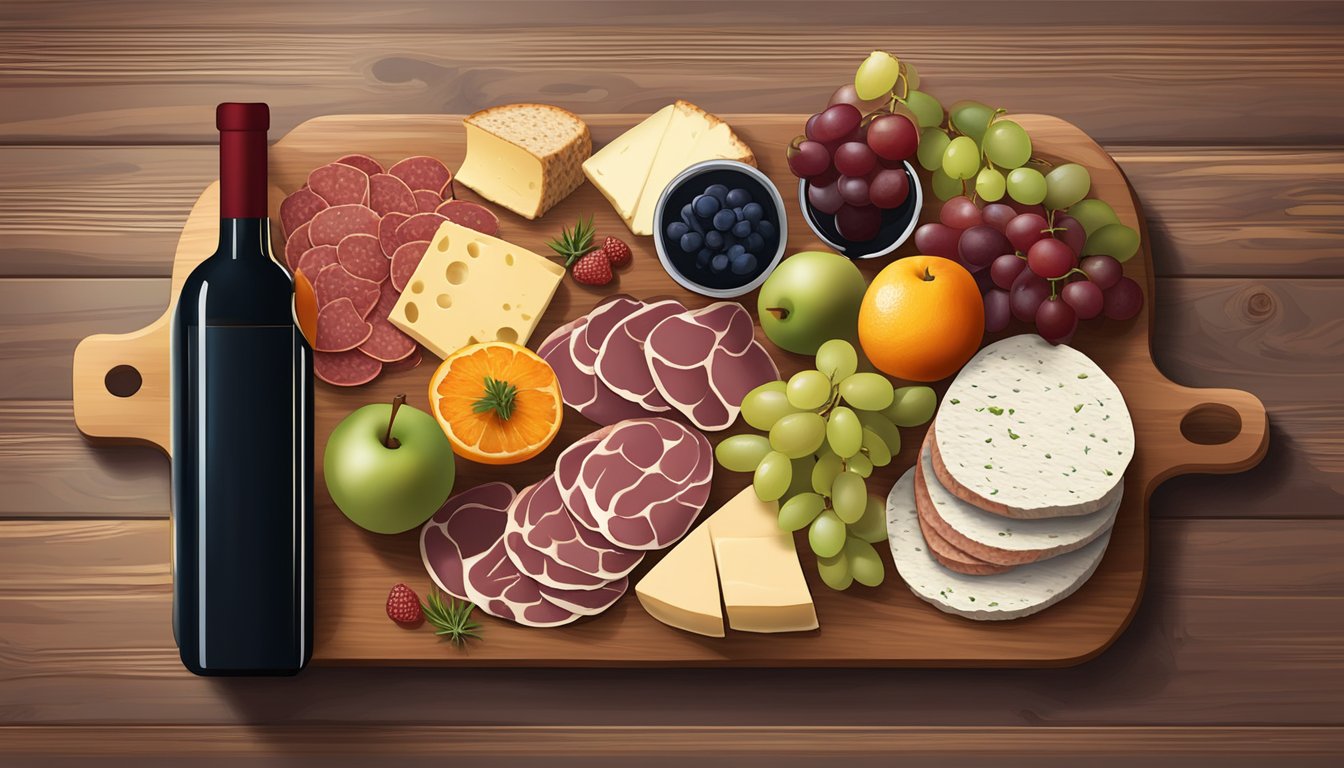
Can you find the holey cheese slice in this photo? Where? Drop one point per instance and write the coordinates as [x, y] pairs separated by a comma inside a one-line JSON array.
[[1015, 593], [470, 288], [525, 157], [1030, 430]]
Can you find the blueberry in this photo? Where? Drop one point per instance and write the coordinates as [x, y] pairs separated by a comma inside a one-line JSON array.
[[755, 242], [738, 198], [692, 242], [676, 229], [742, 229], [706, 205], [719, 263], [692, 222], [735, 251], [744, 264], [717, 191], [724, 220], [753, 211], [714, 239], [766, 229], [702, 258]]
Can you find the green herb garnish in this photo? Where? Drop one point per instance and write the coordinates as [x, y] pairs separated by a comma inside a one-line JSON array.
[[996, 410], [574, 243], [1013, 434], [452, 620], [499, 397]]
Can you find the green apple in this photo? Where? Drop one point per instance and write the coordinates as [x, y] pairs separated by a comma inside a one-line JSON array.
[[811, 298], [392, 486]]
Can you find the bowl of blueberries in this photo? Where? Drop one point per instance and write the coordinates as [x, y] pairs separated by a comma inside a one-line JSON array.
[[720, 228]]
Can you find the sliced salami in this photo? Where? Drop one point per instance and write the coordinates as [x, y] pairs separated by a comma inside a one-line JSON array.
[[584, 392], [404, 261], [362, 256], [466, 526], [316, 259], [421, 226], [470, 215], [426, 201], [363, 162], [387, 343], [340, 184], [340, 327], [299, 208], [334, 283], [387, 232], [621, 363], [345, 369], [388, 194], [422, 172], [411, 362], [331, 225], [586, 602], [585, 345], [546, 543], [296, 245]]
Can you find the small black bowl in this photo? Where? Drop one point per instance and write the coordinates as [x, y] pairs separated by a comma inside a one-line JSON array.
[[897, 223]]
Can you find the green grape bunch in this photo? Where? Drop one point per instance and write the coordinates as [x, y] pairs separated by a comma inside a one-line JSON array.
[[825, 430]]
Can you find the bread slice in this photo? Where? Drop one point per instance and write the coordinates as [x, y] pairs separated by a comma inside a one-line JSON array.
[[525, 157]]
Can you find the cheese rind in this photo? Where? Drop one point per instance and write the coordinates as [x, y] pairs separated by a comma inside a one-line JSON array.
[[525, 157], [620, 169], [472, 287], [682, 590]]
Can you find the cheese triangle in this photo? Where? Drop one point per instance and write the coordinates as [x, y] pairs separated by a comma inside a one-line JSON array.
[[620, 169], [682, 590]]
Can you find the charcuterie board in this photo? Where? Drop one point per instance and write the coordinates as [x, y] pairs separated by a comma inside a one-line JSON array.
[[886, 626]]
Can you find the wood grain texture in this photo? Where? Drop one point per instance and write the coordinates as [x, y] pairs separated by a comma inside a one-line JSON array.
[[1135, 84], [1255, 212]]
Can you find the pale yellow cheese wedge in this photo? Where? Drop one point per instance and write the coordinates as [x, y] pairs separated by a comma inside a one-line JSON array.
[[682, 590], [620, 169], [525, 157]]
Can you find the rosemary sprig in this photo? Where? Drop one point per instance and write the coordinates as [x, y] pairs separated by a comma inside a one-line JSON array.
[[452, 619], [573, 243], [499, 397]]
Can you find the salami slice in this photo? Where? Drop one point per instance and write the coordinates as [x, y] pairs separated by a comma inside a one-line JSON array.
[[331, 225], [363, 162], [316, 259], [340, 184], [340, 327], [421, 226], [387, 344], [299, 208], [411, 361], [387, 232], [404, 262], [388, 194], [334, 283], [426, 201], [296, 245], [470, 215], [362, 256], [345, 369], [422, 172]]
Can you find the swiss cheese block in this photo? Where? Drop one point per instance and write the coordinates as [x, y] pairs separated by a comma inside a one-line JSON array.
[[762, 583], [471, 288], [682, 590], [525, 157], [620, 169]]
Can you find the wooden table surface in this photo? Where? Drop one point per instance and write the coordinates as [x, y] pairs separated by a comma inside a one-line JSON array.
[[1228, 118]]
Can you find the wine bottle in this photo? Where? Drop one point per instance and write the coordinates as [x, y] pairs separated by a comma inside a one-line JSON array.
[[242, 384]]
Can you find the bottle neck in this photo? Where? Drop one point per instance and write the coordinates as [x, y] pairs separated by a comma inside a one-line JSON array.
[[242, 174], [245, 238]]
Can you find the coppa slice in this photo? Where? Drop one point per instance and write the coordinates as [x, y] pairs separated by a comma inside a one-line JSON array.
[[1022, 591], [584, 392], [586, 602], [620, 362], [586, 345], [1032, 430], [567, 468], [705, 361], [468, 524], [545, 542], [497, 587]]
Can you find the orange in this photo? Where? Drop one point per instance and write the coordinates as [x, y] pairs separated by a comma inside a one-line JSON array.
[[305, 307], [922, 318], [497, 402]]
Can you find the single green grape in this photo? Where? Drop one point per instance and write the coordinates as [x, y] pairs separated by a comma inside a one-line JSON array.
[[826, 535], [860, 465], [927, 110], [837, 360], [868, 391], [1006, 144], [911, 74], [849, 495], [834, 572], [933, 142], [872, 526], [1065, 185], [961, 159], [799, 511], [766, 404], [1093, 214], [880, 425], [971, 118], [844, 433], [911, 406], [864, 562], [878, 453], [808, 390], [773, 476], [825, 470], [1115, 240], [798, 434], [876, 76], [990, 184], [945, 187], [742, 453], [1026, 185]]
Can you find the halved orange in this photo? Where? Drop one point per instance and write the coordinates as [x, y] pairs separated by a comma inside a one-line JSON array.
[[498, 403]]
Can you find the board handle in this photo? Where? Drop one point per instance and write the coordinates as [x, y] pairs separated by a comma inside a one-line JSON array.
[[122, 383], [1214, 431]]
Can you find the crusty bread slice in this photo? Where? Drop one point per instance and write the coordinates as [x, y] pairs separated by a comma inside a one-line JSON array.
[[542, 129]]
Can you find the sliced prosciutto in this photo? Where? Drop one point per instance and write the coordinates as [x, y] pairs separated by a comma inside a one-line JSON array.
[[705, 361], [621, 363], [465, 527], [586, 344], [567, 468], [646, 481], [583, 392], [546, 544]]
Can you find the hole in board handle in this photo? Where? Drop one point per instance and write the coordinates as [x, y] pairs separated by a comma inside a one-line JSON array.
[[1211, 424], [122, 381]]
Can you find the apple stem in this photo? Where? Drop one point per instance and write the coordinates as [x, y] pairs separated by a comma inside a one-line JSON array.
[[928, 276], [388, 440], [779, 312]]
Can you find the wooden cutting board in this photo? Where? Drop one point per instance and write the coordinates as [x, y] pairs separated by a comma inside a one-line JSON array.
[[886, 626]]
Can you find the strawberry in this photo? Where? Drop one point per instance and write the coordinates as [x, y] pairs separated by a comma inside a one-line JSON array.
[[403, 606], [594, 268], [617, 251]]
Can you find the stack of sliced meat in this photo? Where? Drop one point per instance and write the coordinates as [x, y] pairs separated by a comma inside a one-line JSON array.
[[357, 233], [629, 358], [564, 547]]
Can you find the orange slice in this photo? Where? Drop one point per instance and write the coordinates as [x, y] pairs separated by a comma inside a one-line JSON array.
[[498, 402]]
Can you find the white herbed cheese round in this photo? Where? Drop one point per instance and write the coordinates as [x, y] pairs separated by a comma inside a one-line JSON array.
[[1015, 593], [1029, 429]]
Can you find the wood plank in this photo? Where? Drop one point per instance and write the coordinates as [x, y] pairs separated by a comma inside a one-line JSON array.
[[430, 745], [117, 211], [1232, 606], [1131, 84]]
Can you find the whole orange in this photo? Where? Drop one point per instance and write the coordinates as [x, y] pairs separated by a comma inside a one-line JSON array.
[[922, 318]]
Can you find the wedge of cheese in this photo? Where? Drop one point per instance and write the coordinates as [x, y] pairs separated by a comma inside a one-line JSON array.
[[471, 287], [525, 157], [633, 170], [682, 590]]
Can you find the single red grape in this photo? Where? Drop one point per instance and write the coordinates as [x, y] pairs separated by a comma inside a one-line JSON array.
[[1055, 321], [934, 239], [854, 158], [1006, 268], [960, 213], [809, 159], [858, 223], [835, 122], [1085, 298], [1027, 293], [1071, 231], [1103, 271], [825, 198], [1051, 258], [997, 215], [889, 188], [1024, 230], [981, 244], [810, 127], [997, 311], [1123, 300], [893, 137], [853, 189]]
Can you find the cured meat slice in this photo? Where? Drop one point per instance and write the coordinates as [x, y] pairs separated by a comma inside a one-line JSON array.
[[345, 369], [621, 363], [422, 172], [421, 226], [389, 194], [331, 225], [340, 184], [387, 231], [316, 259], [545, 542], [340, 327], [404, 262], [410, 362], [588, 602], [296, 245], [585, 345], [584, 392], [567, 468], [333, 283], [949, 556], [386, 343], [705, 361], [362, 162], [466, 526], [497, 587], [646, 482], [362, 256], [470, 215], [426, 201], [299, 207]]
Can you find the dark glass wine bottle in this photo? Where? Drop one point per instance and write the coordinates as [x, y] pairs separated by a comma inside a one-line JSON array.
[[242, 378]]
